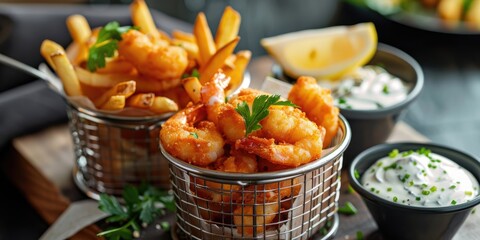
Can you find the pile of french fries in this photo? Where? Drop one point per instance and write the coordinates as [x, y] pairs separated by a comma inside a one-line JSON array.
[[454, 11], [119, 85]]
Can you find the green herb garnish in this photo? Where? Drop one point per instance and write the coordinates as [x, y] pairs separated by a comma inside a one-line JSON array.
[[350, 189], [389, 189], [356, 174], [142, 205], [395, 199], [393, 153], [391, 166], [106, 44], [194, 134], [385, 89], [359, 235], [454, 202], [426, 192], [194, 73], [433, 189], [259, 110], [348, 209], [452, 187]]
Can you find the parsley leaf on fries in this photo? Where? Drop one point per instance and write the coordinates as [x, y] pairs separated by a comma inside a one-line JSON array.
[[259, 110], [106, 44]]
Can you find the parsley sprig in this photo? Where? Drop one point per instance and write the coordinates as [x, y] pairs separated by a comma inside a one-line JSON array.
[[259, 111], [106, 44], [142, 206]]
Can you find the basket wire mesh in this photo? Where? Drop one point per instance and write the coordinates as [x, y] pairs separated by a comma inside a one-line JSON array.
[[111, 153], [291, 204]]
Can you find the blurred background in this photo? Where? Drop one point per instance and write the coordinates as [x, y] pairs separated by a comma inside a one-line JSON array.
[[447, 111]]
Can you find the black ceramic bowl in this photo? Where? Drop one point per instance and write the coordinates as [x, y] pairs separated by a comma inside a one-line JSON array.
[[398, 221], [372, 127]]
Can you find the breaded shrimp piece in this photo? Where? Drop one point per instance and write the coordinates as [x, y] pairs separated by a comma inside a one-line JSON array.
[[187, 137], [288, 138], [317, 103], [155, 59]]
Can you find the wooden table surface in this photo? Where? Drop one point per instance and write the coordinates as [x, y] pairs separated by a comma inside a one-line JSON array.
[[41, 167]]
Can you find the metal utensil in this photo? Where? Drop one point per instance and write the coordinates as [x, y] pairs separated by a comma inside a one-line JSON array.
[[31, 71]]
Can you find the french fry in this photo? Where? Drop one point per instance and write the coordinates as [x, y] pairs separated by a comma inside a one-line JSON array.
[[203, 35], [180, 35], [142, 18], [237, 73], [65, 71], [117, 65], [472, 17], [125, 89], [450, 10], [191, 48], [228, 27], [192, 87], [163, 105], [111, 79], [217, 61], [80, 31], [230, 62], [48, 48], [141, 100], [116, 102]]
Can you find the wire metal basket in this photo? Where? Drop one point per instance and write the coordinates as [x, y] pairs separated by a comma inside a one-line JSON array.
[[113, 151], [288, 204]]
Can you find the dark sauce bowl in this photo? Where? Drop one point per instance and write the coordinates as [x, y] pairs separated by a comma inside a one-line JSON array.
[[398, 221], [372, 127]]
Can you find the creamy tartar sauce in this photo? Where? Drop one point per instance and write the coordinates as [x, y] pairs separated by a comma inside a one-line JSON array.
[[420, 178], [370, 87]]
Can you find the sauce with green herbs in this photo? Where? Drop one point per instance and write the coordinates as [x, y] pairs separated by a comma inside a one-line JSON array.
[[369, 88], [420, 178]]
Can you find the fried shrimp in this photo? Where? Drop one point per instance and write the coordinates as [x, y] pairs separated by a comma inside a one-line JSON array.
[[188, 138], [317, 103], [213, 95], [288, 138], [155, 59]]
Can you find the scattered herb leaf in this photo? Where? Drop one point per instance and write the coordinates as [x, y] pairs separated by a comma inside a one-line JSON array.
[[259, 110], [393, 153], [385, 89], [142, 205], [348, 209], [359, 235], [106, 44], [194, 134]]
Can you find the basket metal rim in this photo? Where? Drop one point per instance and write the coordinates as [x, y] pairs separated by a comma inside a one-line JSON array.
[[109, 118], [252, 177]]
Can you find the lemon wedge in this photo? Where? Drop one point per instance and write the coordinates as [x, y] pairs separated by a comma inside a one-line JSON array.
[[326, 53]]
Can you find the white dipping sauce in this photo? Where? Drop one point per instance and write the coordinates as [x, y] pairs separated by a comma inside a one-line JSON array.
[[420, 178], [369, 88]]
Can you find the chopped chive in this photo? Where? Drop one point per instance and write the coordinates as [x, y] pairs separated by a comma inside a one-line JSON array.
[[379, 164], [385, 89], [391, 166], [410, 183], [165, 225], [424, 185], [443, 189], [342, 100], [350, 189], [359, 235], [414, 163], [474, 210], [452, 187], [433, 189], [426, 192], [356, 174], [418, 198], [372, 189], [377, 192], [393, 153], [468, 193], [444, 172], [348, 209], [405, 177], [407, 153], [454, 202], [395, 199], [194, 134], [389, 189]]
